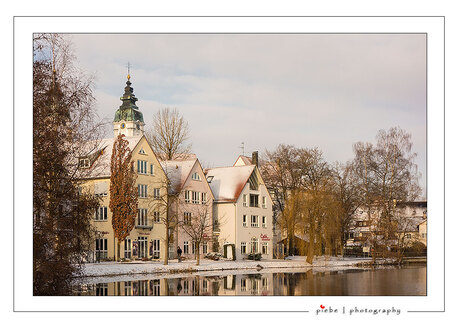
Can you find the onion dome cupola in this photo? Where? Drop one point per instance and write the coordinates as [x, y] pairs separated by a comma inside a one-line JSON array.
[[128, 119]]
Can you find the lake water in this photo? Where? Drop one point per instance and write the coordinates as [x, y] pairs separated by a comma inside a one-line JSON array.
[[386, 281]]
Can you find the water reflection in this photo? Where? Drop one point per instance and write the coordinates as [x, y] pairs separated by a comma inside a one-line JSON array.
[[408, 281]]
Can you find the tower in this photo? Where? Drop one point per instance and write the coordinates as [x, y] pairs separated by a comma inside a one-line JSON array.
[[128, 119]]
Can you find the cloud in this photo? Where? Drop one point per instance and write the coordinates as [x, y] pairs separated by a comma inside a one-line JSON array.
[[325, 90]]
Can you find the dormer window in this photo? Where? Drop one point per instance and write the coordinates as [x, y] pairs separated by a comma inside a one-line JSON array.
[[195, 176], [83, 163], [209, 179]]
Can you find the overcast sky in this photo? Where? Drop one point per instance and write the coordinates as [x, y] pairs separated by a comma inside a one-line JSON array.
[[309, 90]]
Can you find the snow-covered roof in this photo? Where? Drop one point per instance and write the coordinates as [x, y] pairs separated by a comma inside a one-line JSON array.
[[102, 153], [177, 171], [228, 182]]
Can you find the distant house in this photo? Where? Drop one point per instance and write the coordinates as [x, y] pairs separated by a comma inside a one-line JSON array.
[[242, 210], [190, 196], [410, 222]]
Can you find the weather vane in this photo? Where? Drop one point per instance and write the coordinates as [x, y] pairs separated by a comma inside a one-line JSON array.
[[242, 147], [129, 66]]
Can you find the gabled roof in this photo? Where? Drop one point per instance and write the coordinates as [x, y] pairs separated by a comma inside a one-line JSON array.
[[100, 167], [246, 160], [177, 171], [228, 182]]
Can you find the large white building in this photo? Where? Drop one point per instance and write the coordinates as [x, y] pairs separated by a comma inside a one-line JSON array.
[[242, 210]]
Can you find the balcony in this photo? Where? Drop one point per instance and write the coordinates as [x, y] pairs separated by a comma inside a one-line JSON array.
[[144, 226]]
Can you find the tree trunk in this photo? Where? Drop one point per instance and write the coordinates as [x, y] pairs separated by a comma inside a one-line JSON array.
[[167, 247], [118, 251], [198, 254]]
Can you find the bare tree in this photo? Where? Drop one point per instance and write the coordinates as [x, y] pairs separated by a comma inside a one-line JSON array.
[[346, 193], [164, 206], [282, 174], [386, 174], [62, 212], [198, 226], [169, 135]]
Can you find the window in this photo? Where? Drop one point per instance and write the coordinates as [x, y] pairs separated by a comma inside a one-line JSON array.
[[156, 249], [265, 283], [408, 235], [253, 200], [186, 287], [141, 166], [195, 176], [254, 245], [142, 189], [142, 217], [128, 288], [254, 221], [195, 197], [101, 214], [156, 193], [100, 189], [264, 221], [423, 235], [102, 289], [151, 169], [155, 286], [205, 248], [127, 248], [142, 241], [243, 284], [265, 248], [245, 221], [101, 249], [245, 200], [187, 218], [156, 216], [195, 246], [243, 248], [204, 198], [264, 202], [141, 151], [187, 196], [205, 285], [186, 250], [84, 163]]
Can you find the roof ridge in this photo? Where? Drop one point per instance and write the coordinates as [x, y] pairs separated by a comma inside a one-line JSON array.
[[230, 167]]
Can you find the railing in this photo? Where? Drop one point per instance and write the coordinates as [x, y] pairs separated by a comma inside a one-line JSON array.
[[146, 226]]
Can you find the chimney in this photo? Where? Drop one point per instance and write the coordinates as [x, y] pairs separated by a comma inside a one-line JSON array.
[[255, 158]]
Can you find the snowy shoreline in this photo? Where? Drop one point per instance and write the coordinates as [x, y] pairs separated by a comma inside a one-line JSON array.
[[189, 266]]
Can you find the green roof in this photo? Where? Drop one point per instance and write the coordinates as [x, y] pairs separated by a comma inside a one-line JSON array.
[[128, 111]]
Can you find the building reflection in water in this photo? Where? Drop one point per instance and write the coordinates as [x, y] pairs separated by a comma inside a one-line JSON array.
[[391, 282]]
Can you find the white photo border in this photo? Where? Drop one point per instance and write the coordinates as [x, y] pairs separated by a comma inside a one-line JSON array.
[[24, 27]]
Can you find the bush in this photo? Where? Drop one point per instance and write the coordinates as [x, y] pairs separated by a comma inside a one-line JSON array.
[[213, 255], [257, 256]]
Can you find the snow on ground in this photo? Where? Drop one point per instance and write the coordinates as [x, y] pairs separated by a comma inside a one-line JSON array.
[[157, 267]]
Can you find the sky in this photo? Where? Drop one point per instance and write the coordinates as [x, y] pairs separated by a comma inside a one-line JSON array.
[[309, 90]]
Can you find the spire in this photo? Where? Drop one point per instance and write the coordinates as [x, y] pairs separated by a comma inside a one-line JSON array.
[[128, 110]]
